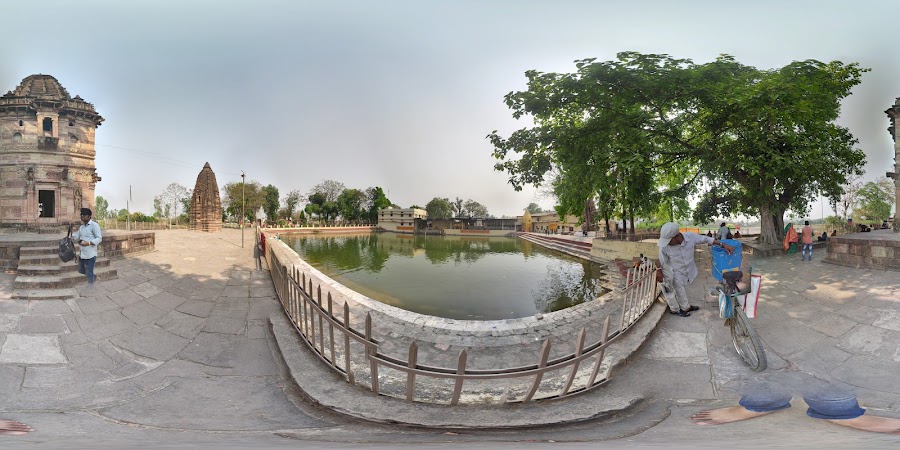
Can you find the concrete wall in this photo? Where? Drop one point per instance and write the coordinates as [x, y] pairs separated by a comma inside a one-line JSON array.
[[455, 232], [610, 250]]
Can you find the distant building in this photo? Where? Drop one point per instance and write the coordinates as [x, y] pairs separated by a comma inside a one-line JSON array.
[[47, 170], [548, 222], [402, 220]]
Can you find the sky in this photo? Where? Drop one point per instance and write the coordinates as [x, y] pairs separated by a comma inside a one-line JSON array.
[[397, 94]]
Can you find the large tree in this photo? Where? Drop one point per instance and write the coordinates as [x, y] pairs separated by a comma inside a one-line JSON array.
[[475, 209], [375, 200], [247, 197], [100, 207], [270, 202], [533, 208], [169, 200], [439, 208], [875, 201], [330, 189], [291, 201], [352, 204], [643, 129]]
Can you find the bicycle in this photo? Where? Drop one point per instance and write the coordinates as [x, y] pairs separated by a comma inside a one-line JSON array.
[[743, 335]]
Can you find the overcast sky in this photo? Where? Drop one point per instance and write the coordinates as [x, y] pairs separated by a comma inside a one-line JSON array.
[[398, 94]]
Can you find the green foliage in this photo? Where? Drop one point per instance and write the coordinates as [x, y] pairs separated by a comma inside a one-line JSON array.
[[352, 204], [642, 133], [533, 208], [439, 208], [249, 199], [290, 203], [270, 202], [475, 209], [875, 201], [101, 207], [376, 200]]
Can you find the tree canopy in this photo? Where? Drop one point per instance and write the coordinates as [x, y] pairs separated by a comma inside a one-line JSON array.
[[643, 133], [439, 208], [875, 201]]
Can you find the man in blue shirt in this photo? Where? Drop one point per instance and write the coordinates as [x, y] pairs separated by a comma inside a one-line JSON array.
[[88, 237]]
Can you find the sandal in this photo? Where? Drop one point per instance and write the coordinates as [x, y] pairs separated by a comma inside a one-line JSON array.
[[680, 313]]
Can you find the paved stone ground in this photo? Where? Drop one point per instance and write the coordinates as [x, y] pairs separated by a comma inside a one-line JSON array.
[[177, 351]]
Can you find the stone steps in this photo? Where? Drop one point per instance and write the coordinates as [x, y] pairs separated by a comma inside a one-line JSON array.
[[71, 266], [34, 251], [44, 294], [63, 280]]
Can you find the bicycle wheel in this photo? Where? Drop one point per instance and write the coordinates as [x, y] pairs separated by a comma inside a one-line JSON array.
[[746, 341]]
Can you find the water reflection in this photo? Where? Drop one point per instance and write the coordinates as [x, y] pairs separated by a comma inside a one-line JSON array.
[[459, 277]]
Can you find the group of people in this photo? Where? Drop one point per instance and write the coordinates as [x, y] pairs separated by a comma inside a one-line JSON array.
[[724, 233]]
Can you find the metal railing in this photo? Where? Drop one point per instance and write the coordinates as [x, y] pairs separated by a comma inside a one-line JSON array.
[[312, 314]]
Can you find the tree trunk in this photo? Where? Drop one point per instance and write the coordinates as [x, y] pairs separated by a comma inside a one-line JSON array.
[[767, 233], [631, 218]]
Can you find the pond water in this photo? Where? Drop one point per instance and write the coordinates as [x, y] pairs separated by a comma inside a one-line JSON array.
[[455, 277]]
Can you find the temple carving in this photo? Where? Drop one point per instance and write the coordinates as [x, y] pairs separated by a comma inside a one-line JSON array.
[[893, 112], [206, 206], [47, 170]]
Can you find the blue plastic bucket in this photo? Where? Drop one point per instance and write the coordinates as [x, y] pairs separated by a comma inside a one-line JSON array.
[[723, 262]]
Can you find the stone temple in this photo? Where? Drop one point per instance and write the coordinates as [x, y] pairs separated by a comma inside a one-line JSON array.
[[206, 206], [47, 171], [893, 112]]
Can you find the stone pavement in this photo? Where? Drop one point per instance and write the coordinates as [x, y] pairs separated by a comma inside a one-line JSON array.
[[179, 349]]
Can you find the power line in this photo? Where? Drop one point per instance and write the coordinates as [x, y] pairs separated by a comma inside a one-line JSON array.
[[159, 157]]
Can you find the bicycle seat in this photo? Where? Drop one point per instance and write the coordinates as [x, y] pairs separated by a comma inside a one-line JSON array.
[[731, 280]]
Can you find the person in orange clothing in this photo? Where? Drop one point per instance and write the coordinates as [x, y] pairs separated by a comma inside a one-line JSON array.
[[807, 240], [790, 238]]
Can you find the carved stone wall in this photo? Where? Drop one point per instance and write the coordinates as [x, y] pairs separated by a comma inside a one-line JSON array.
[[46, 154], [893, 112], [206, 206]]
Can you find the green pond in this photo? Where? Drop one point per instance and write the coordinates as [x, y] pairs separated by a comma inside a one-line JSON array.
[[469, 278]]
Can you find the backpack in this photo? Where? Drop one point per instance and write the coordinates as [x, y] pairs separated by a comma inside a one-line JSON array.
[[67, 247]]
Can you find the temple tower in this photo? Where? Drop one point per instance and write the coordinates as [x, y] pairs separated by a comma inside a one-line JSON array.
[[47, 170], [893, 112], [206, 206]]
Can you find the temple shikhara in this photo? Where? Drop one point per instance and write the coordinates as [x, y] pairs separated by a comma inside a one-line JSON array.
[[206, 206], [47, 170]]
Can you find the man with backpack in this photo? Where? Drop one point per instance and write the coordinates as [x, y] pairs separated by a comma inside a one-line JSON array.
[[88, 237]]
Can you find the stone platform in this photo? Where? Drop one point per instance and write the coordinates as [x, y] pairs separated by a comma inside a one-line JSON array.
[[878, 249]]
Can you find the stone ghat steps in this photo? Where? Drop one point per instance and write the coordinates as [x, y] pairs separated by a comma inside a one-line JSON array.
[[44, 294], [574, 248], [58, 269], [63, 280]]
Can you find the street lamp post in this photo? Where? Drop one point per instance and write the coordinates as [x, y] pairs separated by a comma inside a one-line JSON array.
[[243, 214]]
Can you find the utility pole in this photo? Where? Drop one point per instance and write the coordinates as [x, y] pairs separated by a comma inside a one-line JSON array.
[[243, 214]]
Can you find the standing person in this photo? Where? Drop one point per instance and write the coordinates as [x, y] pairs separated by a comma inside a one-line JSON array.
[[807, 239], [676, 256], [724, 231], [88, 237]]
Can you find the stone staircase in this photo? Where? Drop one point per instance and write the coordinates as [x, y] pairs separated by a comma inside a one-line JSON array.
[[569, 246], [42, 276]]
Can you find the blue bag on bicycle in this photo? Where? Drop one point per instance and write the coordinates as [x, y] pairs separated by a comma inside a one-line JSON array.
[[723, 262], [726, 308]]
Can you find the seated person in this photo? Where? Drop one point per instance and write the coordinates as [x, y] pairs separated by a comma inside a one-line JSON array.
[[709, 233], [823, 237], [737, 234], [833, 233], [884, 225]]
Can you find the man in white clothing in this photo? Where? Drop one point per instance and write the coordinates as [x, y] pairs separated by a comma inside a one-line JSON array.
[[678, 268]]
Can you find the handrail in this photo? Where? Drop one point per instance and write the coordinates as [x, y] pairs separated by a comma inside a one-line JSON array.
[[313, 317]]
